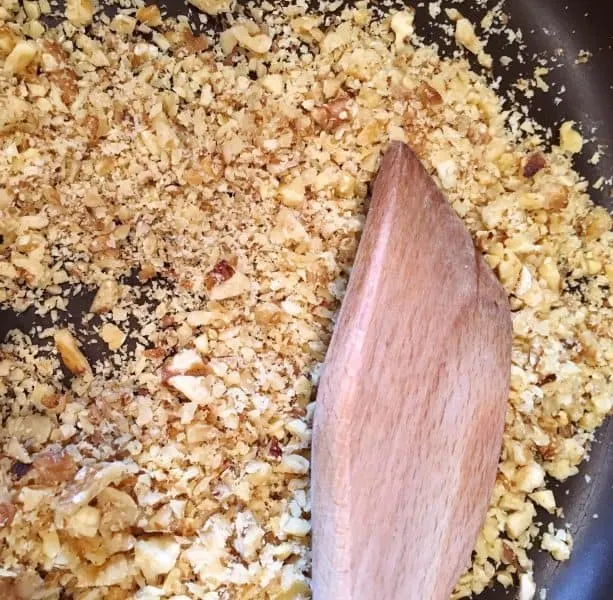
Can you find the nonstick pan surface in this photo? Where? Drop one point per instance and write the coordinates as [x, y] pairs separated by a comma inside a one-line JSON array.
[[550, 28]]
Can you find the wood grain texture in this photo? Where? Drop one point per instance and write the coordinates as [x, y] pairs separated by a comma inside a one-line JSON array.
[[411, 403]]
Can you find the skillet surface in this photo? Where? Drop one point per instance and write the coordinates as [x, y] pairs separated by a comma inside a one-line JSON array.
[[550, 28]]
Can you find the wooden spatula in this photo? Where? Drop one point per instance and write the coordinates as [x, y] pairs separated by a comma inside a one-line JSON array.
[[411, 403]]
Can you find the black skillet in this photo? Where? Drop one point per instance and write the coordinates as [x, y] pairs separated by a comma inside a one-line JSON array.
[[551, 28]]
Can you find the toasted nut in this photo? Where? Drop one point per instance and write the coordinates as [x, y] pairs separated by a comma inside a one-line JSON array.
[[8, 40], [211, 7], [7, 513], [53, 467], [570, 139], [119, 511], [113, 336], [402, 26], [123, 24], [149, 15], [72, 357], [106, 297], [84, 523], [259, 43], [20, 58], [156, 555], [293, 194], [79, 12], [221, 272]]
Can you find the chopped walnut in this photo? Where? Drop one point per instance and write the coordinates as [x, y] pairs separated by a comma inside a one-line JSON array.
[[331, 115], [53, 467], [570, 139], [7, 513], [210, 189], [113, 336], [211, 7], [20, 57], [220, 273], [428, 95], [79, 12], [106, 297], [72, 357], [149, 15]]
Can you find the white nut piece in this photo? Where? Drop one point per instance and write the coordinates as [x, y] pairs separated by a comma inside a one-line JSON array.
[[295, 526], [211, 7], [156, 555], [558, 544], [527, 586], [530, 477], [571, 140], [258, 43], [113, 336], [293, 193], [294, 463], [402, 26], [237, 285], [545, 499], [194, 388]]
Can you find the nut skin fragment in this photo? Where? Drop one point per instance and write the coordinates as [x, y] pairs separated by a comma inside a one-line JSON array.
[[73, 359], [221, 272], [332, 115], [428, 95], [534, 164], [7, 513]]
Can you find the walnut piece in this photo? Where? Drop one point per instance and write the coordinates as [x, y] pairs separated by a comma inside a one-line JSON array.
[[72, 357], [79, 12], [53, 467]]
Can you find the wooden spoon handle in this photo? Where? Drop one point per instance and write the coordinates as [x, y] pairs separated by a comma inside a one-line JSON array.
[[411, 403]]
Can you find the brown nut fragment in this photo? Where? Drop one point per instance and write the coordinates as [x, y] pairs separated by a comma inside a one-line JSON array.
[[332, 115], [55, 402], [221, 272], [428, 95], [149, 15], [53, 467], [534, 163], [106, 297], [274, 449], [72, 357], [193, 44], [19, 470], [66, 81], [7, 513]]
